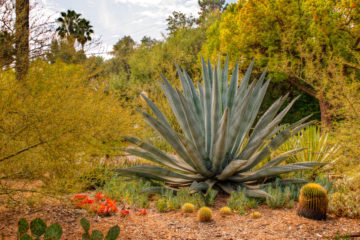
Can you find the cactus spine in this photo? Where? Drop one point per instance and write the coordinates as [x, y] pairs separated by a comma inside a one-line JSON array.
[[313, 202]]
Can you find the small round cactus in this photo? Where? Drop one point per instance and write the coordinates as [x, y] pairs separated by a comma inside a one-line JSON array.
[[188, 208], [225, 211], [204, 214], [255, 215], [313, 202]]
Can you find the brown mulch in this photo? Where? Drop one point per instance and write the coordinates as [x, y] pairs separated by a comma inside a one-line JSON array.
[[274, 224]]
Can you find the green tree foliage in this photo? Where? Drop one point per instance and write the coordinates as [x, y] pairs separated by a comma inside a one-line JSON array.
[[178, 20], [60, 49], [296, 39], [207, 8], [51, 127], [7, 49]]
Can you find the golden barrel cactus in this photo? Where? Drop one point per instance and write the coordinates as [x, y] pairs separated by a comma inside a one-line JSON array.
[[204, 214], [313, 202]]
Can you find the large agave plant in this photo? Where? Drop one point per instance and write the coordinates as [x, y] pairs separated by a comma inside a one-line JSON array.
[[221, 143]]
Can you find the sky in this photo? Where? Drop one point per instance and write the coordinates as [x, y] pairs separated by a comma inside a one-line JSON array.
[[113, 19]]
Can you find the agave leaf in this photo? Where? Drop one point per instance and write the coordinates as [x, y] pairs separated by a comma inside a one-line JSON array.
[[260, 93], [215, 111], [273, 145], [268, 172], [185, 84], [256, 193], [223, 84], [279, 159], [194, 126], [149, 156], [207, 106], [197, 103], [175, 105], [245, 81], [220, 144], [195, 156], [230, 169], [310, 164], [158, 173], [257, 139], [233, 86], [210, 72], [169, 135], [156, 111], [163, 157], [226, 187], [201, 95], [198, 187], [240, 120]]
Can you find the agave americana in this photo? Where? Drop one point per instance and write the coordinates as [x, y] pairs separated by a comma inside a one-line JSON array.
[[221, 142]]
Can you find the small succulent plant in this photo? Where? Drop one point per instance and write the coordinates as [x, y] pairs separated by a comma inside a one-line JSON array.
[[255, 215], [223, 139], [38, 229], [225, 211], [188, 208], [112, 234], [204, 214], [313, 202], [161, 205]]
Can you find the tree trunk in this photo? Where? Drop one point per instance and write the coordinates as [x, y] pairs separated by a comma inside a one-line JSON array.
[[22, 38], [324, 111], [324, 105]]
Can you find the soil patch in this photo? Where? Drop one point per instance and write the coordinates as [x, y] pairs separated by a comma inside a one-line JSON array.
[[274, 224]]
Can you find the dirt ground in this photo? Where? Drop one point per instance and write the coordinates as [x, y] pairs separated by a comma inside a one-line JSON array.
[[274, 224]]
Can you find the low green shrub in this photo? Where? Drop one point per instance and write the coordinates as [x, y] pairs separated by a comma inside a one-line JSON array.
[[162, 205], [129, 191], [239, 202], [346, 201]]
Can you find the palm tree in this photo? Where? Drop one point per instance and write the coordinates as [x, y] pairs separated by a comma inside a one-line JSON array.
[[84, 30], [68, 25]]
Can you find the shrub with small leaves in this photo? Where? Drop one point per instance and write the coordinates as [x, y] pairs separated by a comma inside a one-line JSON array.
[[239, 202], [204, 214], [161, 205], [279, 197]]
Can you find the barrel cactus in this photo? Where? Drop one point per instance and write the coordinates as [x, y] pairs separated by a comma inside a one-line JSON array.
[[220, 142], [204, 214], [225, 211], [188, 208], [313, 202]]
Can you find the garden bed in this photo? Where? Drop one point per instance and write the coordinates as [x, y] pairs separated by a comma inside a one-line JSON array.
[[274, 224]]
